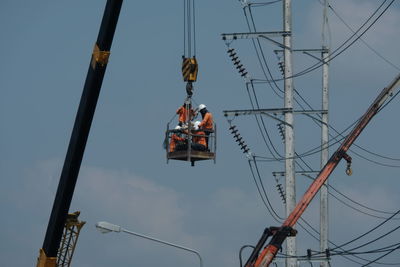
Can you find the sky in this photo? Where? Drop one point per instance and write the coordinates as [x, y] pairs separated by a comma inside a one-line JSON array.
[[125, 179]]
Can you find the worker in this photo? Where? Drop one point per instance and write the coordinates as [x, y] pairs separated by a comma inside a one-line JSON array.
[[183, 112], [199, 138], [207, 123], [207, 118], [177, 141]]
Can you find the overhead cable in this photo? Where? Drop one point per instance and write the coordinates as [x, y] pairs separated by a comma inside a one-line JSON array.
[[362, 40], [318, 65], [355, 202]]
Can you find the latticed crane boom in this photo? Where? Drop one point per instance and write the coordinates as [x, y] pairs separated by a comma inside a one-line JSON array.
[[69, 239]]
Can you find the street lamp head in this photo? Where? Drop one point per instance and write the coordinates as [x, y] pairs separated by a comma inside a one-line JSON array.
[[106, 227]]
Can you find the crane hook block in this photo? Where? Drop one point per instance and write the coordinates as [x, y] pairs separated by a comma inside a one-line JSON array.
[[348, 159], [189, 69], [349, 171]]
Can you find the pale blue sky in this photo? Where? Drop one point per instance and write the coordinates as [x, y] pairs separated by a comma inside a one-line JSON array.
[[215, 209]]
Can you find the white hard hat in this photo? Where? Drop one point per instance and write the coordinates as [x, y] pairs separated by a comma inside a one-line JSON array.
[[196, 125], [202, 106], [177, 127]]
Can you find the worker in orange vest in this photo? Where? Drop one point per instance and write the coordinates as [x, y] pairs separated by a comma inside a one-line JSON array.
[[207, 123], [185, 112], [199, 138], [176, 140]]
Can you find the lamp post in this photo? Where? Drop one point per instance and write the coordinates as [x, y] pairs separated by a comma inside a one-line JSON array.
[[106, 227]]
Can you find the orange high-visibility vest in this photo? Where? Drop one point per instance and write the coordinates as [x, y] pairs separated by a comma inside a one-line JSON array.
[[174, 140], [182, 112], [200, 138], [207, 122]]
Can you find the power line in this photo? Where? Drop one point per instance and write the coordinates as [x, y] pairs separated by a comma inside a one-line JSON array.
[[264, 127], [345, 252], [375, 260], [266, 201], [262, 54], [372, 241], [378, 163], [355, 202], [251, 16], [368, 232], [363, 41], [254, 159], [309, 105], [378, 250], [339, 52]]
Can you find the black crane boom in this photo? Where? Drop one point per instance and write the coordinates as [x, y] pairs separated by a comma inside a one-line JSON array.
[[80, 133]]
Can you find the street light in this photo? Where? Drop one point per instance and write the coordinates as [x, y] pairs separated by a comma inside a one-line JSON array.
[[106, 227]]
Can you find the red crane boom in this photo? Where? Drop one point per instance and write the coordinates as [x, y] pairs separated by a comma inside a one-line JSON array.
[[279, 235]]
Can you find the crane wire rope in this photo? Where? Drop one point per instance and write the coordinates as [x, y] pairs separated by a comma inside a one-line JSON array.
[[194, 30], [184, 27], [189, 28]]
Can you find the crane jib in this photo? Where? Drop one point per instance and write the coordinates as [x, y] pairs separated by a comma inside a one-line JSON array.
[[270, 251]]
